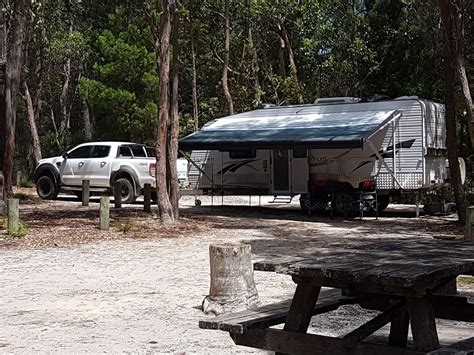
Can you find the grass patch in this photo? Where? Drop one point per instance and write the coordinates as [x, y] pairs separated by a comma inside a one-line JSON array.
[[125, 226], [27, 197], [21, 232], [26, 183]]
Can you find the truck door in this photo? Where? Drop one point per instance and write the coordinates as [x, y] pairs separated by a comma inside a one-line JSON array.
[[280, 172], [99, 165], [73, 168]]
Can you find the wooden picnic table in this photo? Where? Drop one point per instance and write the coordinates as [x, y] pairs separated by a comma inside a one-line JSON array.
[[403, 280]]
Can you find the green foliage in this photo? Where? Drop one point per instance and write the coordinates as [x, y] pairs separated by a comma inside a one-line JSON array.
[[122, 86], [26, 182], [125, 226], [340, 48]]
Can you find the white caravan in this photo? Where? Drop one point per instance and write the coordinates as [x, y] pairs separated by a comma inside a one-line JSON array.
[[327, 151]]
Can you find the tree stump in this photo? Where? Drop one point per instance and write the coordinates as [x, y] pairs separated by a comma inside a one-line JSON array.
[[232, 284]]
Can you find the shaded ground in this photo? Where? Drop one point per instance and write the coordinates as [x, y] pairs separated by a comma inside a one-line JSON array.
[[68, 287]]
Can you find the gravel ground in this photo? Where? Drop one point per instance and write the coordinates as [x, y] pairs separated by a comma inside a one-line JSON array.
[[140, 291]]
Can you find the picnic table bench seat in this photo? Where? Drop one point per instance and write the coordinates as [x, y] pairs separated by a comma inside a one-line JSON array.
[[463, 347], [272, 314]]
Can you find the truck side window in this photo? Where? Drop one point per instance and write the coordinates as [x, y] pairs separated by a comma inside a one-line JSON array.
[[80, 153], [138, 151], [100, 151], [242, 154], [125, 151]]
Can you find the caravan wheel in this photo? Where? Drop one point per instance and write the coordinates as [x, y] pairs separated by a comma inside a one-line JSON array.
[[344, 204], [312, 204]]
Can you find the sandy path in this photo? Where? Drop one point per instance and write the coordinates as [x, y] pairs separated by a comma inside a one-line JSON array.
[[144, 295], [114, 296]]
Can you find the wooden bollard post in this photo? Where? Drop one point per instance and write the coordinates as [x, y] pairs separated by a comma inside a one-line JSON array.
[[13, 215], [118, 194], [86, 184], [232, 283], [469, 235], [18, 178], [147, 198], [104, 213]]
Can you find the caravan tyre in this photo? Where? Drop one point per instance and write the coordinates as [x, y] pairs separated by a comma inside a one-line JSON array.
[[382, 202], [344, 204], [312, 204]]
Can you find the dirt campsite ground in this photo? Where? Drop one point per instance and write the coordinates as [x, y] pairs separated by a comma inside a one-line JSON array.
[[67, 287]]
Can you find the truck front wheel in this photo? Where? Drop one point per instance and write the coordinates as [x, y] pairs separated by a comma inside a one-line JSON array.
[[127, 191], [47, 188]]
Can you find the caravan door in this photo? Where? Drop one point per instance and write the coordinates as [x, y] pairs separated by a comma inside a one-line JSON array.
[[299, 171], [281, 172]]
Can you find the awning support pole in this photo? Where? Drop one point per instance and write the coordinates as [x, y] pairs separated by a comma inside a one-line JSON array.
[[382, 160], [188, 158]]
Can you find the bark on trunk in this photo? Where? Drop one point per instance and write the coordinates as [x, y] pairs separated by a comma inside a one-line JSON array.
[[174, 133], [232, 284], [455, 42], [64, 125], [35, 139], [86, 116], [14, 61], [281, 57], [450, 102], [286, 39], [194, 84], [165, 211], [225, 80], [254, 65]]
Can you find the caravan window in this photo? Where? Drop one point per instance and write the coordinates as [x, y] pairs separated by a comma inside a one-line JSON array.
[[242, 154]]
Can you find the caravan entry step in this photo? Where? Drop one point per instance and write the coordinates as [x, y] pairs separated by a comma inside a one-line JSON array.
[[282, 199]]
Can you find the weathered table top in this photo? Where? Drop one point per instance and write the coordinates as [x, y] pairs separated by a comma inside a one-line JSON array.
[[395, 267]]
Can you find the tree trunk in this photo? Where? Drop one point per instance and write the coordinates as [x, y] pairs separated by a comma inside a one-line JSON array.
[[174, 133], [232, 283], [225, 80], [64, 124], [194, 84], [86, 116], [3, 53], [286, 39], [281, 57], [454, 40], [450, 102], [14, 61], [36, 145], [165, 211], [254, 64]]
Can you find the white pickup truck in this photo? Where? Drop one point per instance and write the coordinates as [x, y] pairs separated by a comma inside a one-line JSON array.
[[103, 164]]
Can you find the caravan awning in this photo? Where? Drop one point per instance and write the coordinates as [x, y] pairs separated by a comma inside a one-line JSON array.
[[307, 127]]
